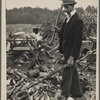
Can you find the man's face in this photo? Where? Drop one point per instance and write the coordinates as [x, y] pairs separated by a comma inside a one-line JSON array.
[[68, 8]]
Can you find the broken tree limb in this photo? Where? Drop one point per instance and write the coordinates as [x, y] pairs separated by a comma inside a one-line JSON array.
[[87, 66], [56, 47], [23, 55], [19, 82], [86, 56], [32, 51], [49, 54], [21, 75]]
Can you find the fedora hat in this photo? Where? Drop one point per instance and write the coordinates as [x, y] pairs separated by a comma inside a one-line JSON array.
[[68, 2]]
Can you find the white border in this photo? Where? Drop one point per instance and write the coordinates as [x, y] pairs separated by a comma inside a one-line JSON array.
[[3, 53], [97, 57]]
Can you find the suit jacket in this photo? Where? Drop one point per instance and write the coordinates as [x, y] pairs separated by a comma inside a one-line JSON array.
[[70, 37]]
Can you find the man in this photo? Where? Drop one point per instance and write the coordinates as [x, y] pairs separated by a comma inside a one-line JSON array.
[[70, 38]]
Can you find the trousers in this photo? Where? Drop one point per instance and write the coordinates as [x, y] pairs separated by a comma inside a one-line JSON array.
[[70, 82]]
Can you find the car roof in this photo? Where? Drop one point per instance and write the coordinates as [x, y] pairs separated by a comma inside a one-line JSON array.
[[21, 35]]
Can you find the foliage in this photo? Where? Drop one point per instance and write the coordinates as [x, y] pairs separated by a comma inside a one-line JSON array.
[[89, 17], [28, 15]]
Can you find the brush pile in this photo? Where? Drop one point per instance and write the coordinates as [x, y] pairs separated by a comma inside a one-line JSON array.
[[22, 87], [36, 75]]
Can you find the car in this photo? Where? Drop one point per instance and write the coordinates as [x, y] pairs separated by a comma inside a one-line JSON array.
[[19, 41]]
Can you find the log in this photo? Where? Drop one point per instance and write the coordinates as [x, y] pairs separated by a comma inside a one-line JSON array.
[[86, 56], [87, 66]]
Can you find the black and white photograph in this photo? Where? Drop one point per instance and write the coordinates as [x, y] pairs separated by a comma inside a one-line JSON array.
[[51, 50]]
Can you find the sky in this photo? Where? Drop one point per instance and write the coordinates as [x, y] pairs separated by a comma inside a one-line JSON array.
[[50, 4]]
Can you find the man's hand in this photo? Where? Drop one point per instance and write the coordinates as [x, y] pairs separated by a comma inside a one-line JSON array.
[[70, 61]]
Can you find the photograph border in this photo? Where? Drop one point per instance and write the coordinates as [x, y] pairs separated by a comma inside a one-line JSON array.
[[3, 50], [3, 53], [0, 46]]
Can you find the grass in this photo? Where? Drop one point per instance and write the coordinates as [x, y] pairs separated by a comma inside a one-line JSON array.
[[19, 28]]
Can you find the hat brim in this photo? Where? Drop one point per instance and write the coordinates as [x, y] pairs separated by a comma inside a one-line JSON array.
[[69, 3]]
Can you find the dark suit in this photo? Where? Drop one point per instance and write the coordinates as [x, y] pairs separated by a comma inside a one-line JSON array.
[[70, 38]]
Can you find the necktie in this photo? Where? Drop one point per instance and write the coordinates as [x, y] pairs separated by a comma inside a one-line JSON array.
[[68, 18]]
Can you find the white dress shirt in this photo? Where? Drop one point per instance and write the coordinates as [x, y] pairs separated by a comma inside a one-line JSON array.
[[69, 16]]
